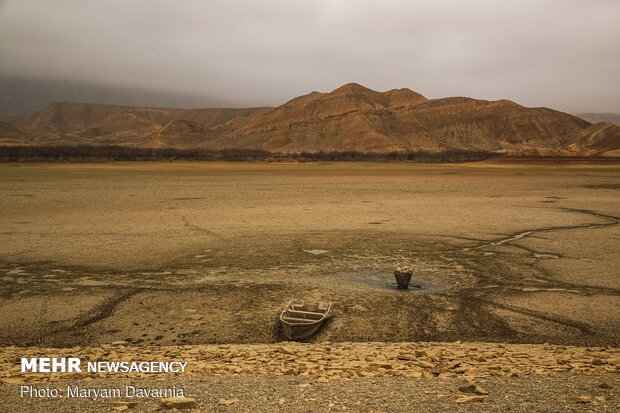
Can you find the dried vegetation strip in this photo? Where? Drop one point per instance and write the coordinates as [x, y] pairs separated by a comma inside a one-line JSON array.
[[99, 153]]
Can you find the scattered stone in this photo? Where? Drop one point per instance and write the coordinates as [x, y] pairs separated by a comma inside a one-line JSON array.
[[473, 388], [468, 388], [12, 380], [470, 399], [122, 406], [481, 391], [382, 365], [228, 402], [577, 399], [323, 362], [284, 350], [599, 400], [426, 364], [316, 252], [178, 403]]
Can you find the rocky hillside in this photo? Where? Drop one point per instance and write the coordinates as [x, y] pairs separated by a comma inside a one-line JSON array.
[[355, 118], [601, 117], [87, 123], [8, 129], [350, 118], [599, 139], [22, 95]]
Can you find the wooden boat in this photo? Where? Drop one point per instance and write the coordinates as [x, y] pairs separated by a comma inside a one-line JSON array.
[[301, 320]]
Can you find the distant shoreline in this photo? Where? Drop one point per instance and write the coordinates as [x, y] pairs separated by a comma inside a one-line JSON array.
[[103, 153], [107, 153]]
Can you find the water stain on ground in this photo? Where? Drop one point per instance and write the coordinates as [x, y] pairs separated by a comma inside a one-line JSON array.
[[386, 281]]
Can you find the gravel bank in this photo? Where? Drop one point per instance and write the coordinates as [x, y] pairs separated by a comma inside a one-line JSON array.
[[373, 377], [252, 393], [329, 361]]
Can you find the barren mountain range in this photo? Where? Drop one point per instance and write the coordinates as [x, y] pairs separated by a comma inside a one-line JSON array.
[[350, 118], [21, 96], [601, 117]]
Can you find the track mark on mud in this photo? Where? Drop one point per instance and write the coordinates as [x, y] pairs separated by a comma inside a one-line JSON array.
[[514, 238], [105, 310], [611, 220], [193, 227], [95, 314], [99, 312], [582, 327]]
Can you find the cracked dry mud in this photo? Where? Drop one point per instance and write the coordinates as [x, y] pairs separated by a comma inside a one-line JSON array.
[[194, 253], [373, 377], [195, 261]]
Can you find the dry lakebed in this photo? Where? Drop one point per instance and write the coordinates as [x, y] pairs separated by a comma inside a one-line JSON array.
[[515, 288]]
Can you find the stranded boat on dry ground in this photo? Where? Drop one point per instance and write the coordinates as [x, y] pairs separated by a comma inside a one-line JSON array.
[[301, 320]]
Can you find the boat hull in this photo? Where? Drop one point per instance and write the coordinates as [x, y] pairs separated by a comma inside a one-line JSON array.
[[299, 332], [300, 321]]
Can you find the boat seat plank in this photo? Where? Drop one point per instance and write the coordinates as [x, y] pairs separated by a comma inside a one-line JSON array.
[[304, 320], [307, 312]]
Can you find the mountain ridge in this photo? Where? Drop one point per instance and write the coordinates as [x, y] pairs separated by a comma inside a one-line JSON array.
[[24, 95], [349, 118], [601, 117]]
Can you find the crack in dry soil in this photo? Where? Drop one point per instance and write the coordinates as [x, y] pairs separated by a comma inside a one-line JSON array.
[[468, 298], [97, 313], [529, 233], [582, 327], [196, 228]]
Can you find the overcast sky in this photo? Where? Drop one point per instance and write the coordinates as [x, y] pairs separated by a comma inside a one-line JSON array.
[[559, 53]]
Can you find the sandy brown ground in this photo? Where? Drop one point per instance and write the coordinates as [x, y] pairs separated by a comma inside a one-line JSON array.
[[189, 253], [555, 393], [166, 254], [359, 377]]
